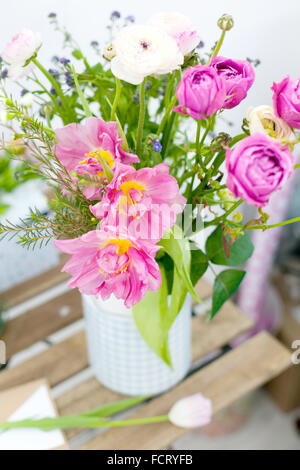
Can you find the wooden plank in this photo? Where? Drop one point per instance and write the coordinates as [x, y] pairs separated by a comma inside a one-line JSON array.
[[40, 322], [84, 396], [206, 337], [34, 286], [224, 381], [204, 290], [227, 325], [56, 364]]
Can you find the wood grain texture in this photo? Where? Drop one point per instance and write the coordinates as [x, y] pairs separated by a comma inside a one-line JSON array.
[[58, 363], [224, 381], [227, 325], [34, 286], [206, 338], [40, 322]]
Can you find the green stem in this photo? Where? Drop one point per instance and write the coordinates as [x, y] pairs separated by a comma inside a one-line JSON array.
[[55, 86], [166, 115], [80, 94], [266, 227], [139, 138], [167, 135], [225, 215], [116, 100], [78, 421], [219, 45]]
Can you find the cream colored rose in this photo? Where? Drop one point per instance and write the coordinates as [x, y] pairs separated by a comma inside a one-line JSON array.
[[263, 119]]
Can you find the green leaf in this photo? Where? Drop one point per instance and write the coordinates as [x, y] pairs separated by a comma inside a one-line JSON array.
[[178, 248], [226, 283], [178, 296], [150, 318], [77, 54], [240, 250], [112, 408], [199, 263]]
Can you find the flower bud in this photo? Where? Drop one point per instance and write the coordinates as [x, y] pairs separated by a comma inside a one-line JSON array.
[[226, 22], [109, 52], [47, 109], [191, 412], [227, 197]]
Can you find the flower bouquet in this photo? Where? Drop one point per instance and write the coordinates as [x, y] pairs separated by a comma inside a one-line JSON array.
[[128, 144]]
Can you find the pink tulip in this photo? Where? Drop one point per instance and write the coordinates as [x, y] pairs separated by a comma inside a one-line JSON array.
[[286, 100], [201, 92], [257, 167], [191, 412]]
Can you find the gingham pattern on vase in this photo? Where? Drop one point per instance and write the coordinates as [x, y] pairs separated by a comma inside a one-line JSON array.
[[120, 358]]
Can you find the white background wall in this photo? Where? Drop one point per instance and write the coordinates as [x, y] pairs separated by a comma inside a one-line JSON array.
[[264, 29]]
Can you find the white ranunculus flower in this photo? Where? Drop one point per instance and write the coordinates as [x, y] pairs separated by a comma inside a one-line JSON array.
[[264, 120], [143, 50], [178, 26], [19, 51]]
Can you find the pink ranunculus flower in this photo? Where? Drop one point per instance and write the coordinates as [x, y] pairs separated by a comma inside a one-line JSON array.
[[180, 28], [286, 100], [149, 198], [19, 51], [257, 167], [108, 261], [191, 412], [239, 76], [80, 145], [201, 92]]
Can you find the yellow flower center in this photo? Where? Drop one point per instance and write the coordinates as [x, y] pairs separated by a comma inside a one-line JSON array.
[[126, 199], [123, 247], [107, 157]]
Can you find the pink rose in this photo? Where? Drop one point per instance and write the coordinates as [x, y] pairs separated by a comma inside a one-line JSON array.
[[257, 167], [239, 76], [201, 92], [286, 99], [19, 51]]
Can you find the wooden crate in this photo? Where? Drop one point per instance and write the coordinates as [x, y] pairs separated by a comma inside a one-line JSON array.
[[64, 363]]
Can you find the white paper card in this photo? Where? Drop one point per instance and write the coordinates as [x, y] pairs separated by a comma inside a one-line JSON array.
[[38, 406]]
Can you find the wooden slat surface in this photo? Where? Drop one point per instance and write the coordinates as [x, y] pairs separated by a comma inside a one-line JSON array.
[[24, 291], [69, 357], [40, 322], [55, 364], [224, 381]]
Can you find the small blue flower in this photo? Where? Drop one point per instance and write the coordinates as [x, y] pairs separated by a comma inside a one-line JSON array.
[[130, 19], [63, 60], [115, 14], [53, 91], [4, 73], [156, 146], [23, 92], [52, 15], [94, 43], [54, 73]]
